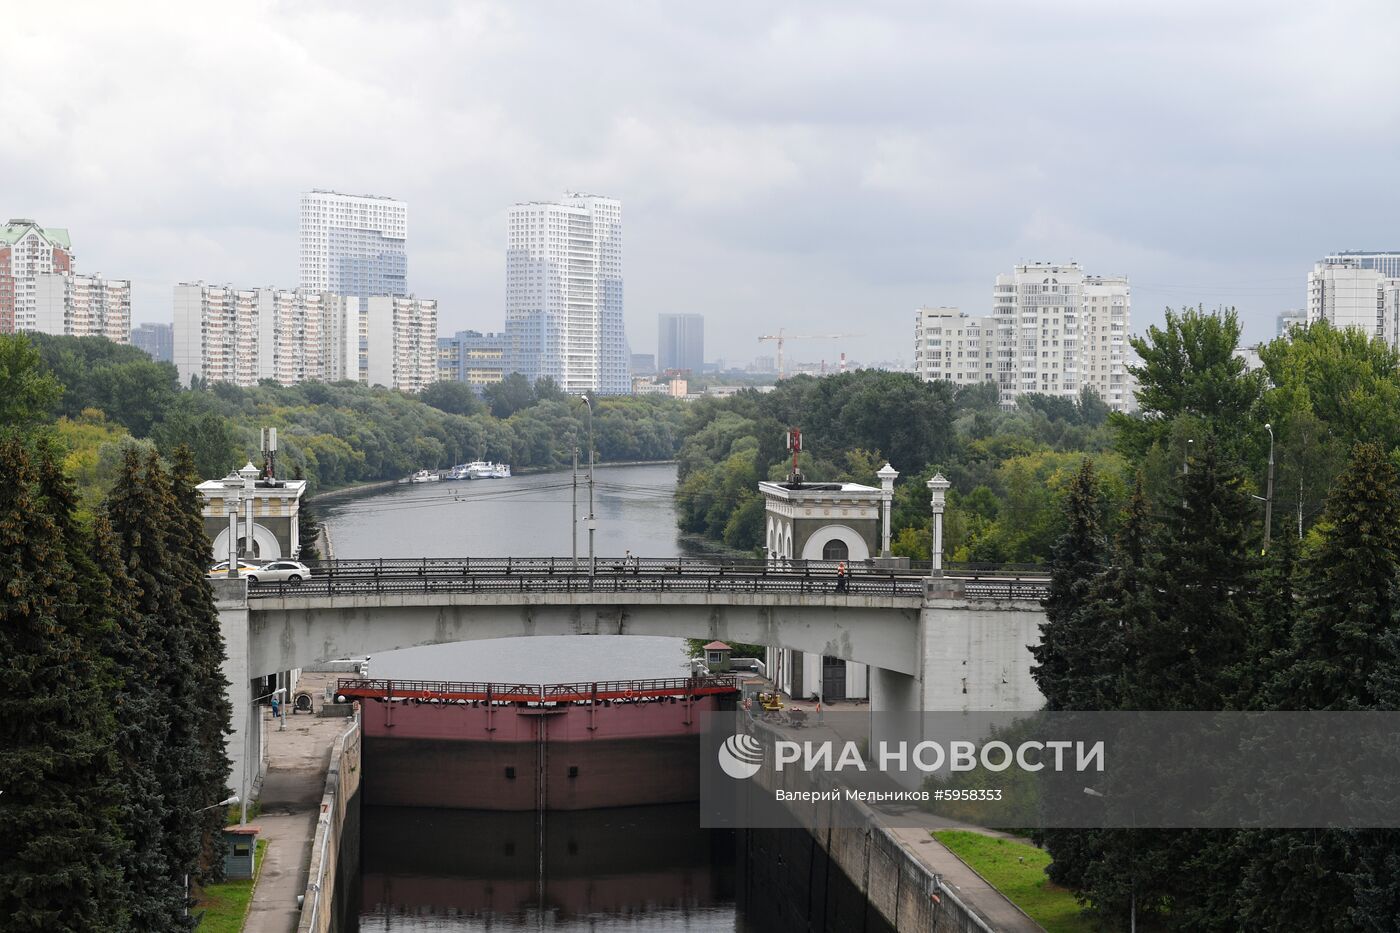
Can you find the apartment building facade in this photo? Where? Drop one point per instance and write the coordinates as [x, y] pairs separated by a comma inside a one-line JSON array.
[[28, 251], [564, 294], [81, 306], [1053, 330], [1350, 292], [353, 245]]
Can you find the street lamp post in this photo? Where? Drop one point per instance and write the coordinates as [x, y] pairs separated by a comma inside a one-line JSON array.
[[1269, 490], [592, 521], [226, 802], [887, 475], [573, 516], [938, 489], [247, 752]]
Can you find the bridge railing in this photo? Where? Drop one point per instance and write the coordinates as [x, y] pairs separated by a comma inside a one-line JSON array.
[[521, 582], [678, 566]]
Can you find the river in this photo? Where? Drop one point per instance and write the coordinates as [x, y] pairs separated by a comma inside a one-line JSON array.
[[611, 870]]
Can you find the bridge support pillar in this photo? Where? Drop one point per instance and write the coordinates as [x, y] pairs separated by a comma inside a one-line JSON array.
[[244, 743]]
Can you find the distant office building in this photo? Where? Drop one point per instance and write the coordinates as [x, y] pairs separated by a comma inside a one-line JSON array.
[[1344, 291], [643, 364], [353, 245], [28, 251], [1053, 330], [680, 344], [1386, 263], [954, 347], [1287, 320], [82, 306], [244, 335], [564, 294], [400, 342], [472, 357], [156, 340]]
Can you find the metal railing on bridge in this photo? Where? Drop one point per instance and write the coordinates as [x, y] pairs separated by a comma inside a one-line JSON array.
[[646, 575]]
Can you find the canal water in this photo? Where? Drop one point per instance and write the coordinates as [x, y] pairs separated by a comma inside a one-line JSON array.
[[638, 869]]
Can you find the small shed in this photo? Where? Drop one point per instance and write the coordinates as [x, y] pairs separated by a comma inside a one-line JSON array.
[[717, 655], [240, 851]]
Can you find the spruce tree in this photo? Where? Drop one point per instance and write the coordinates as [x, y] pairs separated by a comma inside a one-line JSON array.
[[59, 829], [1342, 656], [151, 655], [1064, 659], [1182, 657], [190, 548], [1341, 647]]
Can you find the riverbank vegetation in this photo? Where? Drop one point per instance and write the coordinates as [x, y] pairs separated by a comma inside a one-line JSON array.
[[1009, 469], [333, 435], [113, 709]]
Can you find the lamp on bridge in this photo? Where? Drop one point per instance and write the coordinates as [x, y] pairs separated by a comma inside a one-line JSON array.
[[938, 488], [888, 475]]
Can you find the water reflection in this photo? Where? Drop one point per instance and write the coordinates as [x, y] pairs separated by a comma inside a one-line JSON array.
[[637, 868]]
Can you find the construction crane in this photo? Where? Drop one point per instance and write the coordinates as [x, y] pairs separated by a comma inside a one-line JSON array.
[[781, 336]]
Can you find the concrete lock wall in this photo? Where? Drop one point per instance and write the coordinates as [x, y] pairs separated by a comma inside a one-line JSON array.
[[894, 884], [342, 785]]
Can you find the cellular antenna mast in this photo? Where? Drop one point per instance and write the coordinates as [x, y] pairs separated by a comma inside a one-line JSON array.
[[794, 444]]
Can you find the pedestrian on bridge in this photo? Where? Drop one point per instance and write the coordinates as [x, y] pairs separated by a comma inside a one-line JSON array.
[[841, 577]]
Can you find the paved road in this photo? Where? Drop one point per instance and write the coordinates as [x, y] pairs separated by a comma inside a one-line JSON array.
[[291, 798]]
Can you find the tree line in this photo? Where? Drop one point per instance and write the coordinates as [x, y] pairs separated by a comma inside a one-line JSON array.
[[113, 713], [1009, 469], [331, 434], [1171, 601]]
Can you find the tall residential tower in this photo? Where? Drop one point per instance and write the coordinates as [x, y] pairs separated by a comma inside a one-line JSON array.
[[564, 294], [353, 245]]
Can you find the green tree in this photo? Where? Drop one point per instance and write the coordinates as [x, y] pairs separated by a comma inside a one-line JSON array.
[[1065, 659], [511, 394], [1189, 368], [189, 547], [1184, 657], [27, 394], [139, 509], [456, 398], [60, 835]]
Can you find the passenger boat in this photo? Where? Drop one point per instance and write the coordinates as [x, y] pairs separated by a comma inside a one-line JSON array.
[[424, 476], [482, 469]]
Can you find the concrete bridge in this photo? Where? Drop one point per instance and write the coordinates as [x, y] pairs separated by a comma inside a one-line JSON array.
[[956, 641]]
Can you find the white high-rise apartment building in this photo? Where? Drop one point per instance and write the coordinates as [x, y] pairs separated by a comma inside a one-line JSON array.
[[353, 245], [244, 335], [951, 346], [1346, 292], [564, 294], [1052, 330], [81, 306]]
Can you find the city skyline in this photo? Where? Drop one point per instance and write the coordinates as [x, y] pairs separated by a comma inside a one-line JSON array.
[[830, 161]]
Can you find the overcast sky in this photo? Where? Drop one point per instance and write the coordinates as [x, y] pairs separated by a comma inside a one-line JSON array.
[[825, 167]]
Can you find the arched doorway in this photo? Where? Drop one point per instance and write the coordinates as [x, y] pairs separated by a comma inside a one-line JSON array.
[[836, 549]]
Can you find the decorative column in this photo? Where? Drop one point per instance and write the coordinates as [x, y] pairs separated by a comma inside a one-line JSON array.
[[887, 475], [938, 490], [250, 476], [233, 492]]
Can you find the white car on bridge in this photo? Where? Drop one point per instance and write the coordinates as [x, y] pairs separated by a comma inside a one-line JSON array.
[[279, 571]]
